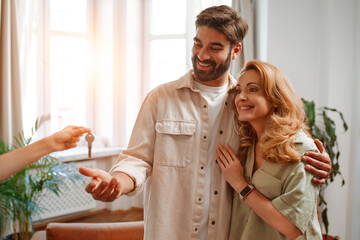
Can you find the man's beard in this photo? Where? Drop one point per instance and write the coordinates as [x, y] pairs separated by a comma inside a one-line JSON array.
[[214, 73]]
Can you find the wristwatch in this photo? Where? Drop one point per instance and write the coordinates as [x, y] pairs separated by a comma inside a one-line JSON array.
[[243, 194]]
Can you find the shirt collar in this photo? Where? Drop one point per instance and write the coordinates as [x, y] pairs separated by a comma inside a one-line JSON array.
[[187, 81]]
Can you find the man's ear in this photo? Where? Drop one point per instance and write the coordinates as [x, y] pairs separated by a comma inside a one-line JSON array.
[[236, 51]]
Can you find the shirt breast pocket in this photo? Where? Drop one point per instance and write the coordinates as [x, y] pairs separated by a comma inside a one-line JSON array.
[[174, 142]]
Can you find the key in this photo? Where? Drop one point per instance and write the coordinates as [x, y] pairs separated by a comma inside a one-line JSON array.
[[89, 138]]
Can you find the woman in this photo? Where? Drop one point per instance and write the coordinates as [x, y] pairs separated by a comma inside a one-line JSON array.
[[275, 198]]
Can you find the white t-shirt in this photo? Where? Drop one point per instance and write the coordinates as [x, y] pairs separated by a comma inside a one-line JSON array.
[[215, 97]]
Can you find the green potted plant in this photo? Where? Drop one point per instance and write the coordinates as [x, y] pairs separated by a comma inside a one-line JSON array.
[[19, 193], [325, 130]]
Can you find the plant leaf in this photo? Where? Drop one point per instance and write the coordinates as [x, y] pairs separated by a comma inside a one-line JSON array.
[[309, 108], [325, 220]]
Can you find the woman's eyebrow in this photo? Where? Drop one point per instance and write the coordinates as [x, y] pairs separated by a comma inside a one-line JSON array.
[[249, 83]]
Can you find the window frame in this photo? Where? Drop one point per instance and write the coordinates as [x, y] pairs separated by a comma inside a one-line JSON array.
[[148, 37], [44, 101]]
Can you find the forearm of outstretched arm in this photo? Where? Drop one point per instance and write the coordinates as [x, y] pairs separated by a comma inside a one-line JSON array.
[[14, 161]]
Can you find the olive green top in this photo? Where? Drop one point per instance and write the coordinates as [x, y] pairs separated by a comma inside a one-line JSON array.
[[291, 191]]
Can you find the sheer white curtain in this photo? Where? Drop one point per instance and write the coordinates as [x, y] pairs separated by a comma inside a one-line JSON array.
[[31, 61], [10, 91], [21, 66]]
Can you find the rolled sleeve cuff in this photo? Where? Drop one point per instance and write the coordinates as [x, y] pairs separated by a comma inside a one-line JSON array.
[[292, 215], [133, 173]]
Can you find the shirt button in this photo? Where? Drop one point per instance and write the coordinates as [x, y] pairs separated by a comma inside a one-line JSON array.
[[204, 137], [213, 222], [221, 132], [216, 192]]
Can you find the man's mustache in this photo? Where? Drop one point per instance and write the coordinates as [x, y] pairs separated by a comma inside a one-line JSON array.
[[208, 61]]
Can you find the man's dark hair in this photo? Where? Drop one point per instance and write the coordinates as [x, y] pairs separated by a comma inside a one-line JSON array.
[[225, 20]]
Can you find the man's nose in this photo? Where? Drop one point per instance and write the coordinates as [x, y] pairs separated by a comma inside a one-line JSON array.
[[203, 55]]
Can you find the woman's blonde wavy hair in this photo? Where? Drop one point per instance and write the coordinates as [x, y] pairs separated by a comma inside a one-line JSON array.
[[286, 119]]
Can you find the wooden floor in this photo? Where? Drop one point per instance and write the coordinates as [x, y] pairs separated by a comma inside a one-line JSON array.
[[133, 214]]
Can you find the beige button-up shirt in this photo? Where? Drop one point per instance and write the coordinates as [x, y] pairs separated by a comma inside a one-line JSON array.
[[167, 156]]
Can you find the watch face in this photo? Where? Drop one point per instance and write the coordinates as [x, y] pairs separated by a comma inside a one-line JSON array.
[[245, 191]]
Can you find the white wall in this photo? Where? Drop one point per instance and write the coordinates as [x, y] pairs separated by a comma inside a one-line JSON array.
[[314, 43]]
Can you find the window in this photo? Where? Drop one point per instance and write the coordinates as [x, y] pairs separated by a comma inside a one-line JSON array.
[[72, 65], [67, 52], [58, 73], [165, 41]]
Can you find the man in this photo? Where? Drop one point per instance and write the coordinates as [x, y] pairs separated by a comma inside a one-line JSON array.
[[172, 150]]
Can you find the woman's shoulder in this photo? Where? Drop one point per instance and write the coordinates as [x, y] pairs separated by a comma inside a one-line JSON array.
[[304, 143]]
